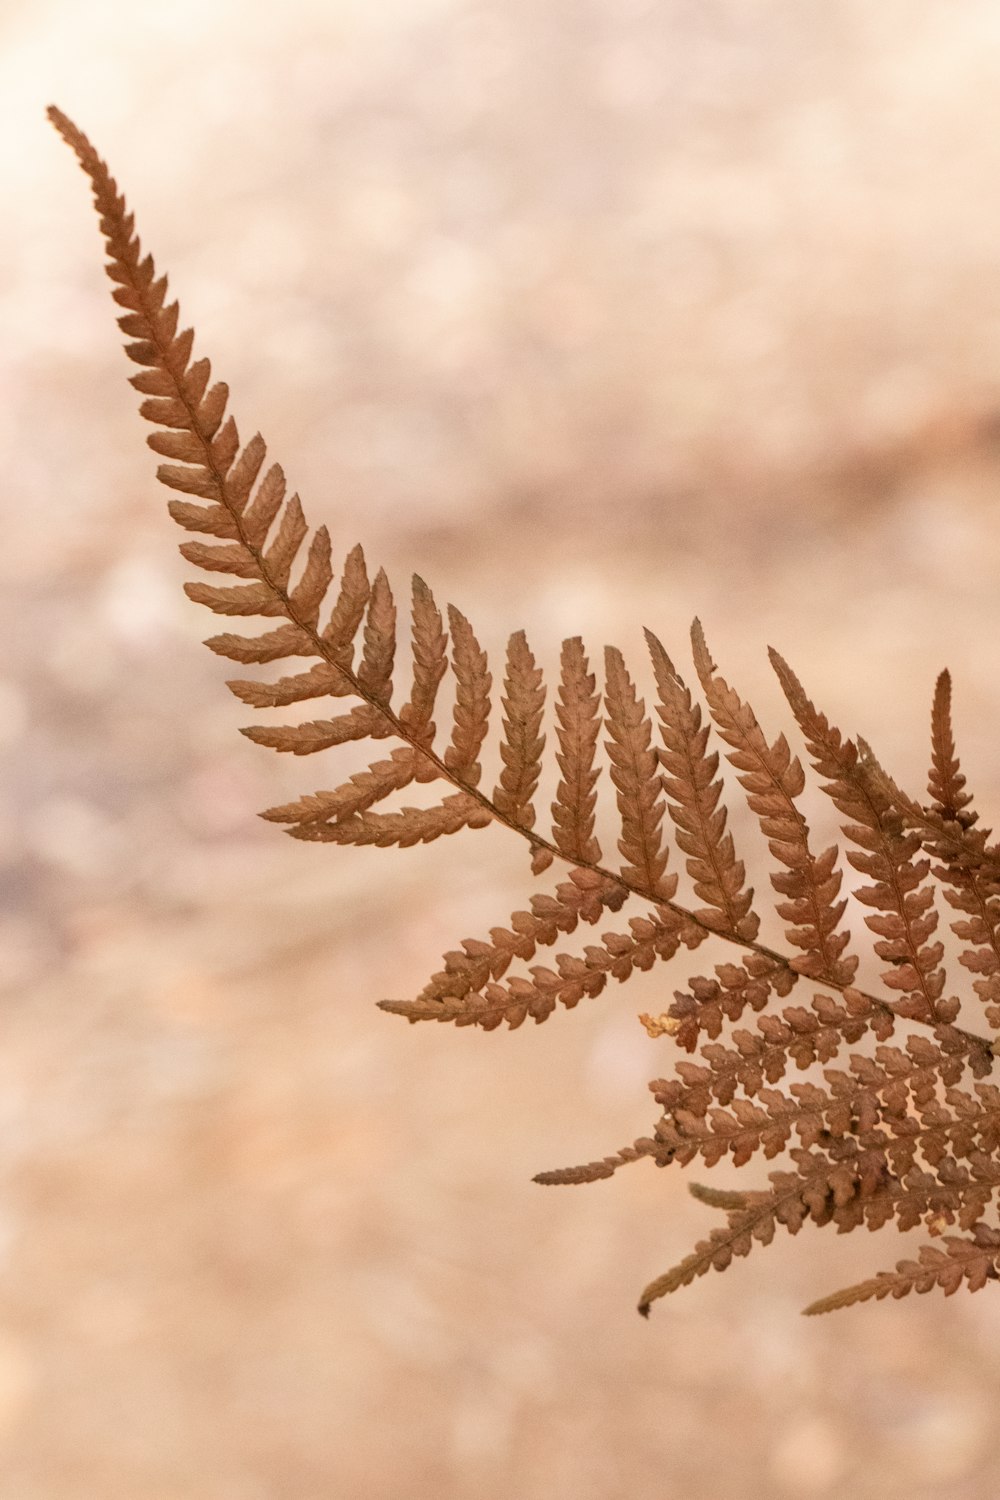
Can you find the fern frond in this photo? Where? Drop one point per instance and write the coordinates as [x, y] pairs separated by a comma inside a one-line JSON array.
[[905, 919], [634, 773], [430, 663], [725, 1198], [521, 749], [472, 700], [745, 1224], [467, 990], [694, 792], [970, 876], [944, 1268], [578, 711], [772, 779], [894, 1133], [946, 783], [596, 1171]]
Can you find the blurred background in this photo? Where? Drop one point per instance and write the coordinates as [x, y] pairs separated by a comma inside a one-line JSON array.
[[597, 315]]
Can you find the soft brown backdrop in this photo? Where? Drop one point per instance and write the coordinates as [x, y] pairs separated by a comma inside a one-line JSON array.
[[595, 314]]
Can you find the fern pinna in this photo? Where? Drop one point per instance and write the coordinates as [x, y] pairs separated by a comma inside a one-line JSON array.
[[903, 1128]]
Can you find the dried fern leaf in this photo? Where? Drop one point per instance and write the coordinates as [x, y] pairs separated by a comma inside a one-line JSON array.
[[960, 1260], [772, 779], [578, 724], [725, 1198], [963, 847], [284, 549], [249, 599], [717, 1251], [693, 790], [467, 991], [212, 520], [970, 876], [636, 778], [895, 1133], [231, 558], [361, 792], [905, 919], [362, 722], [521, 748], [594, 1171], [798, 1036], [970, 888], [411, 825], [472, 700], [275, 645], [261, 533], [378, 655], [321, 679], [308, 594], [870, 1109], [259, 517], [430, 663], [946, 783], [349, 609], [658, 935]]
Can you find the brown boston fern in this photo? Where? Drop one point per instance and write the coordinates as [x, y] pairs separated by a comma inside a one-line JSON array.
[[894, 1121]]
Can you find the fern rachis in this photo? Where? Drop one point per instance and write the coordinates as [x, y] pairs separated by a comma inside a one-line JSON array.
[[904, 1130]]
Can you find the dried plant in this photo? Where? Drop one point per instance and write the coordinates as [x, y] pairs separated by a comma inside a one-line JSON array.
[[894, 1122]]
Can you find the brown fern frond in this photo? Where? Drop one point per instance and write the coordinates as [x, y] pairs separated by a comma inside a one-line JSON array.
[[472, 700], [430, 663], [974, 1261], [578, 724], [521, 748], [274, 645], [970, 877], [724, 1198], [378, 655], [362, 791], [360, 723], [772, 779], [904, 918], [885, 1134], [308, 594], [584, 897], [797, 1036], [955, 841], [690, 783], [321, 679], [873, 1107], [467, 990], [745, 1224], [349, 609], [946, 783], [409, 826], [634, 773], [253, 599], [595, 1171]]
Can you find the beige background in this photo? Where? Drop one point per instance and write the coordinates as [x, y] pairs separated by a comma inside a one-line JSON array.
[[595, 314]]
